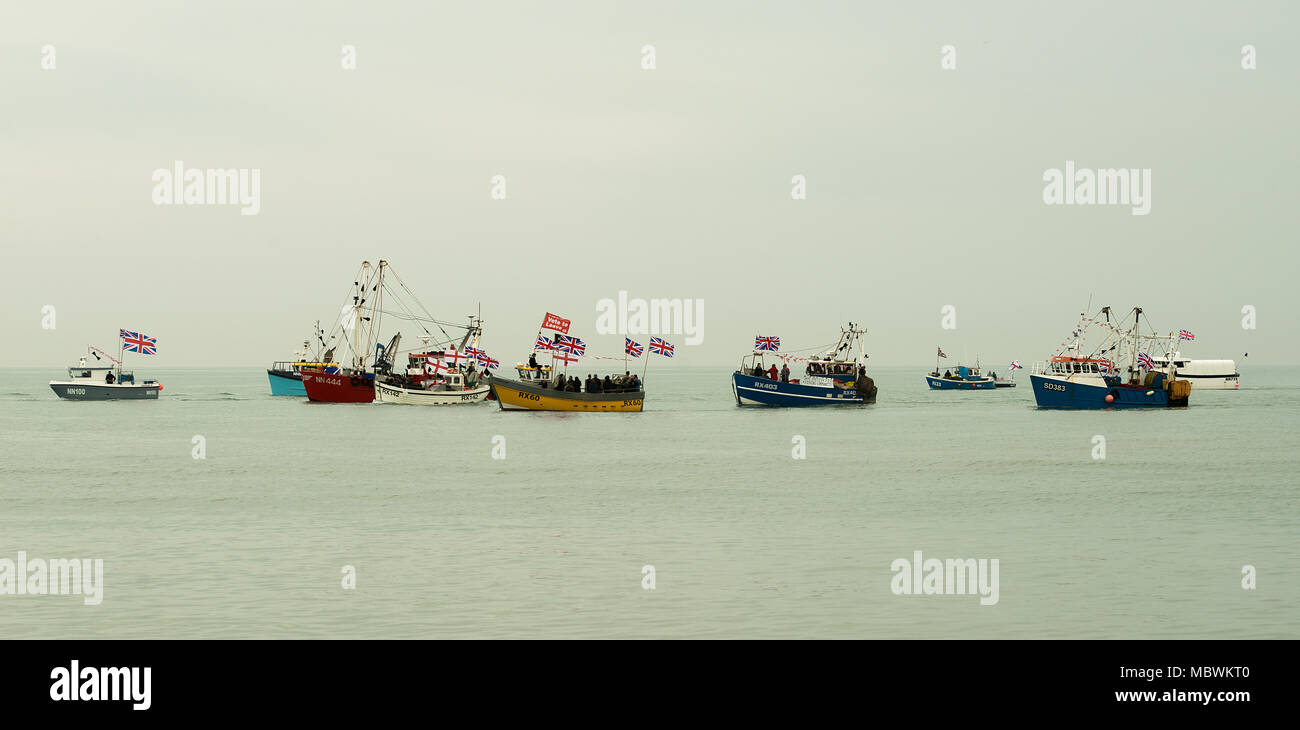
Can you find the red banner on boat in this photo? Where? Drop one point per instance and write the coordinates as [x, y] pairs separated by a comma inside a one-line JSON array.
[[553, 322]]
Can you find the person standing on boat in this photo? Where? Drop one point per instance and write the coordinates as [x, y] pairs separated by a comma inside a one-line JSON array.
[[771, 372], [108, 377], [785, 372]]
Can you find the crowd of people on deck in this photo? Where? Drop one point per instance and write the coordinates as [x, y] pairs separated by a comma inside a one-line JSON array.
[[814, 368], [626, 383]]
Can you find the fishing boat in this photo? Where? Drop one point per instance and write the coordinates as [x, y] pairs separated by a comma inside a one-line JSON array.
[[431, 380], [93, 382], [547, 387], [354, 383], [285, 376], [1071, 379], [1202, 374], [540, 393], [963, 378], [837, 377]]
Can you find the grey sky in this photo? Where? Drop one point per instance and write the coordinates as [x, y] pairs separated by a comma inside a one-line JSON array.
[[924, 185]]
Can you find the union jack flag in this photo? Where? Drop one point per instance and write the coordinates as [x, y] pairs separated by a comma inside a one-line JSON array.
[[1185, 335], [764, 342], [543, 344], [633, 348], [565, 358], [1103, 367], [1015, 364], [136, 342], [571, 345], [474, 352], [661, 347], [941, 354], [1145, 361], [490, 363]]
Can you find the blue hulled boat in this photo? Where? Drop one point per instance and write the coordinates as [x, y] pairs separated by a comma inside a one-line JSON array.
[[1096, 381], [837, 378], [285, 376], [963, 378]]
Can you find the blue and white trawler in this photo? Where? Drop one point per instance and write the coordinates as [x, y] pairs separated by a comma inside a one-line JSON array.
[[1099, 380], [838, 377]]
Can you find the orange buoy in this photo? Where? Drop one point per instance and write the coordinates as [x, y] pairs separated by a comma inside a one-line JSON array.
[[1110, 398]]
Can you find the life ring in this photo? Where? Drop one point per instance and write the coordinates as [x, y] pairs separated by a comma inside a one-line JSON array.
[[356, 382]]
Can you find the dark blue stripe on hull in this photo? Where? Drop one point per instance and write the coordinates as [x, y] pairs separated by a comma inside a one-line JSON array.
[[942, 384], [768, 392]]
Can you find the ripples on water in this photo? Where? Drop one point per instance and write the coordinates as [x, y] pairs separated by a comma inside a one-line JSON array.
[[745, 540]]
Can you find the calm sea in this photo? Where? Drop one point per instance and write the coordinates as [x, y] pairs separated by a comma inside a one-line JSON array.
[[745, 540]]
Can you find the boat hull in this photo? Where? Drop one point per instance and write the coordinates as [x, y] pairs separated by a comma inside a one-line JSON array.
[[285, 383], [72, 390], [338, 387], [386, 393], [754, 391], [514, 395], [1060, 392], [1211, 382], [948, 384]]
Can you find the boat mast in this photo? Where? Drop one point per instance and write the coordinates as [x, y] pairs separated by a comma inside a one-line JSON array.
[[1137, 316]]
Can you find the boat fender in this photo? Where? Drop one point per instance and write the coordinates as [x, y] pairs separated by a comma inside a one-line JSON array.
[[1110, 397], [356, 382]]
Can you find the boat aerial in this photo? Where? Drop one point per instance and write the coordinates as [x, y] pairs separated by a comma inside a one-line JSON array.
[[286, 376], [93, 382], [837, 377], [548, 387], [1101, 379]]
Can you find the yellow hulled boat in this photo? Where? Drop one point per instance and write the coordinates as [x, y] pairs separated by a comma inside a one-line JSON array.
[[535, 391]]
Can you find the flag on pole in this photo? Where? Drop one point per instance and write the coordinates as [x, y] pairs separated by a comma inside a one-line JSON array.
[[434, 366], [661, 347], [1015, 365], [633, 348], [941, 354], [766, 342], [1145, 361], [474, 352], [454, 357], [136, 342], [571, 345], [490, 363], [565, 358], [1185, 335], [543, 344], [555, 322]]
